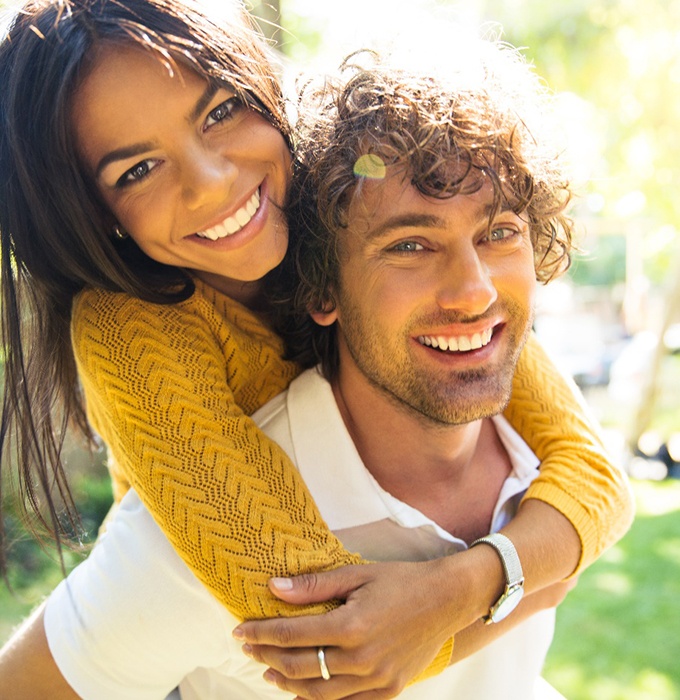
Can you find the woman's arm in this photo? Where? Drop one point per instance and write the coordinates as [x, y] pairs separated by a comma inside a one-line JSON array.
[[169, 388], [577, 476], [396, 613]]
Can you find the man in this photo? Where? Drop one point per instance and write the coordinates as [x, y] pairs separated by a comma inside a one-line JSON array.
[[428, 221]]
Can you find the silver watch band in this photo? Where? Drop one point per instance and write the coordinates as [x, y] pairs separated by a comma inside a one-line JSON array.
[[508, 556]]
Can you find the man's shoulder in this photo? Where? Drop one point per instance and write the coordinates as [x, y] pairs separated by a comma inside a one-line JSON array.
[[523, 459], [307, 393]]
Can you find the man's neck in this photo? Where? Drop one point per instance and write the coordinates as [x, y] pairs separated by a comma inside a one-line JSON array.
[[451, 473]]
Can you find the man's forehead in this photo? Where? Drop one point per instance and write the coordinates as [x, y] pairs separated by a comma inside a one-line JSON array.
[[379, 204]]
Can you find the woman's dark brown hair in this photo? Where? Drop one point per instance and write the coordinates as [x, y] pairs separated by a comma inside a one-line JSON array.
[[55, 233]]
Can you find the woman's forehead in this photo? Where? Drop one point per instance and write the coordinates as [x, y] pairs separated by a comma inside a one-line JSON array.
[[130, 90]]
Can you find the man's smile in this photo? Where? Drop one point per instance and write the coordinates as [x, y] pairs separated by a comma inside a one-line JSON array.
[[459, 343]]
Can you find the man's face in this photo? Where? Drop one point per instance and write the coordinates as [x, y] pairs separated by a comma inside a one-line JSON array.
[[434, 305]]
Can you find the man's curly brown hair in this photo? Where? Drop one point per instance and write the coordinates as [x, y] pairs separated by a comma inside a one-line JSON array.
[[450, 135]]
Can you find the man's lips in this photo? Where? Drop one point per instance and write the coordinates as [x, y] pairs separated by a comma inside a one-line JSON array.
[[457, 343], [234, 223]]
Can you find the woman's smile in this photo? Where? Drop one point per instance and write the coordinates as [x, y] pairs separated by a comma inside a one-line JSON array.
[[234, 223]]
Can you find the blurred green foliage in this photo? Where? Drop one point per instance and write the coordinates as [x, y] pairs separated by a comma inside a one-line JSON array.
[[617, 631], [34, 568]]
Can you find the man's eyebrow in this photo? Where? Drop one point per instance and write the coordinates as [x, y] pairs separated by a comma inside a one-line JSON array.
[[405, 221], [136, 149], [414, 220], [492, 208]]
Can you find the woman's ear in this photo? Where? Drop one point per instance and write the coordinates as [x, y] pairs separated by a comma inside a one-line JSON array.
[[327, 316]]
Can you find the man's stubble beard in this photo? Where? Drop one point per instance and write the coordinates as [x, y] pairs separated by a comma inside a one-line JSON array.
[[444, 397]]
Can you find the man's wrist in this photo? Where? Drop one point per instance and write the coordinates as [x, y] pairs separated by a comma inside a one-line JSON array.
[[514, 576]]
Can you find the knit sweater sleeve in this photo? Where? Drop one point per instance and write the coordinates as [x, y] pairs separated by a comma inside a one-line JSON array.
[[576, 476], [158, 382]]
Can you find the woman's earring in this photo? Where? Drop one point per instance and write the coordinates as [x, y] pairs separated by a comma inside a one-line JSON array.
[[118, 233]]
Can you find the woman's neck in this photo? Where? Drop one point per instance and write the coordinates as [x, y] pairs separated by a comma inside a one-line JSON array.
[[247, 293]]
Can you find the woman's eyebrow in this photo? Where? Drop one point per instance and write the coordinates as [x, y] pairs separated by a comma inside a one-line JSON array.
[[123, 153], [202, 102], [136, 149]]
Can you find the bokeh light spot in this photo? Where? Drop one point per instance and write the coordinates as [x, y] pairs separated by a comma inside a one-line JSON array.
[[371, 166]]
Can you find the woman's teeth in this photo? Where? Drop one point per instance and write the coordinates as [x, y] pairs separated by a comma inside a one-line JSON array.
[[461, 343], [234, 223]]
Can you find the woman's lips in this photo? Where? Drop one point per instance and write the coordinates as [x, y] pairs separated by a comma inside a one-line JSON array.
[[234, 223]]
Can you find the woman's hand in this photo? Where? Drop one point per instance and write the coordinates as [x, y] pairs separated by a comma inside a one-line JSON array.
[[396, 618]]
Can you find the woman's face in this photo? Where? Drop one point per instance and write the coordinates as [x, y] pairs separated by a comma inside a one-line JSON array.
[[194, 177]]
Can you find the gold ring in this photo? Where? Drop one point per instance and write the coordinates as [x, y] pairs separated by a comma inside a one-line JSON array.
[[325, 673]]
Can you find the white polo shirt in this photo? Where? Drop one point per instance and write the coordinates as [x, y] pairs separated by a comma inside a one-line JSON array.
[[132, 622]]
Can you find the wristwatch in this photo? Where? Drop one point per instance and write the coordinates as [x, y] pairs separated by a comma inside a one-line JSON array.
[[514, 578]]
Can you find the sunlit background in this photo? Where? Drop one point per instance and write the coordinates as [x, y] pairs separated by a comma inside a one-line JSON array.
[[613, 323]]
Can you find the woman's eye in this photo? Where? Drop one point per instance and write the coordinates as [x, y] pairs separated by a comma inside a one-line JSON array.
[[407, 247], [137, 172], [224, 111]]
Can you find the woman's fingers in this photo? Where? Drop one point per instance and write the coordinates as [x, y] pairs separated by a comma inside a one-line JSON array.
[[316, 588]]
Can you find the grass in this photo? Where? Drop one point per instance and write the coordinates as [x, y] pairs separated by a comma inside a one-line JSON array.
[[618, 632]]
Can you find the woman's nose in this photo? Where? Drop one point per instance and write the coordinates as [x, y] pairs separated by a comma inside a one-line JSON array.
[[207, 178]]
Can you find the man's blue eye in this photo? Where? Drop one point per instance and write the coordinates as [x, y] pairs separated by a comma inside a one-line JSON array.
[[407, 247], [500, 234]]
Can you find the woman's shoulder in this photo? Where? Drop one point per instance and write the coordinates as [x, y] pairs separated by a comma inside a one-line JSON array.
[[101, 315], [103, 307]]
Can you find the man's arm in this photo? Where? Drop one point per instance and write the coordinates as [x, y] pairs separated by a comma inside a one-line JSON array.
[[128, 623], [27, 667]]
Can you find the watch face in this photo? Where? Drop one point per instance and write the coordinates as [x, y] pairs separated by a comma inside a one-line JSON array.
[[507, 603]]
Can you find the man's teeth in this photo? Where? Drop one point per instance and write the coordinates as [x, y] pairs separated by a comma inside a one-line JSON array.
[[234, 223], [461, 343]]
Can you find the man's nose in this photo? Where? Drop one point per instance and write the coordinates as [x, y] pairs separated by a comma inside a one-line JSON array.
[[466, 283], [207, 178]]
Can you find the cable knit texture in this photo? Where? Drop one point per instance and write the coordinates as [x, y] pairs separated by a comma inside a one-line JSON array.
[[576, 476], [170, 390]]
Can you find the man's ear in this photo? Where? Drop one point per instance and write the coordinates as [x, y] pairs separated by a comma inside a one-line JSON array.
[[325, 318]]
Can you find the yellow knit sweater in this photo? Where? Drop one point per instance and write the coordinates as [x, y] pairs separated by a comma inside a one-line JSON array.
[[170, 390]]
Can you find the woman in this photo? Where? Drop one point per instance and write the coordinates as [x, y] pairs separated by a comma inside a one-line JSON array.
[[134, 247]]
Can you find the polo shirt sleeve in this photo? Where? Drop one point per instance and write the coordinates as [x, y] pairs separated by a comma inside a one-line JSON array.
[[132, 620]]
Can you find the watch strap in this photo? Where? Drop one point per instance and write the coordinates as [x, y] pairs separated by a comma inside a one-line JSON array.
[[507, 554]]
